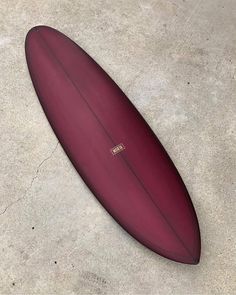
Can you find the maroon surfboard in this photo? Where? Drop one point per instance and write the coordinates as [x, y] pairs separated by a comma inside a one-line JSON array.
[[112, 147]]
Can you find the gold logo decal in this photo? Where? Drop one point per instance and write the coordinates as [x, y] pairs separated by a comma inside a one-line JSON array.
[[117, 149]]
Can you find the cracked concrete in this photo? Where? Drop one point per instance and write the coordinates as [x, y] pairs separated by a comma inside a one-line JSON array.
[[176, 60], [32, 181]]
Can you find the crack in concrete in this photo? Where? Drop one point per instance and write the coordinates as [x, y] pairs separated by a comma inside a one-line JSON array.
[[32, 180]]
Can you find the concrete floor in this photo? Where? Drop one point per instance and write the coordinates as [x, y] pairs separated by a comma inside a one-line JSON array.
[[176, 60]]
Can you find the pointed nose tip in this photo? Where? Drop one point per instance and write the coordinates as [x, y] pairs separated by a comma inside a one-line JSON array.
[[186, 260], [188, 255], [194, 260]]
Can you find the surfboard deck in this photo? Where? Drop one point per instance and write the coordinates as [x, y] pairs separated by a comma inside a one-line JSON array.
[[112, 147]]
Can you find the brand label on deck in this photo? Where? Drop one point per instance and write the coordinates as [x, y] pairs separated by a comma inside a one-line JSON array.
[[117, 149]]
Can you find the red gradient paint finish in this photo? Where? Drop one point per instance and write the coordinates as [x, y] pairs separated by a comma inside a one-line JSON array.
[[112, 147]]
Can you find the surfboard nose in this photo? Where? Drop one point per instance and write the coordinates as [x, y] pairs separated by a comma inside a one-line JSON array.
[[163, 238], [190, 259]]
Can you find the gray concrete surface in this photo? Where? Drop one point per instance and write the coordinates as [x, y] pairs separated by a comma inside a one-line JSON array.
[[176, 60]]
